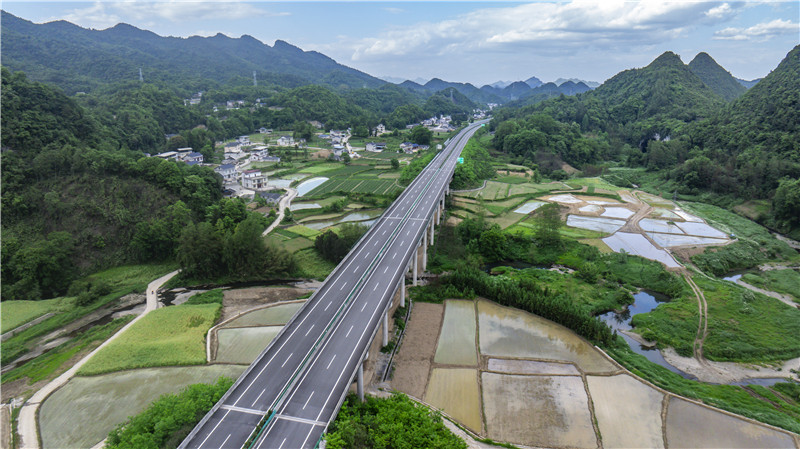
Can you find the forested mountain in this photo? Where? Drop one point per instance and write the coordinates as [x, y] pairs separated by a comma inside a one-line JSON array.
[[748, 84], [664, 118], [473, 93], [533, 82], [753, 145], [76, 199], [716, 77], [78, 59]]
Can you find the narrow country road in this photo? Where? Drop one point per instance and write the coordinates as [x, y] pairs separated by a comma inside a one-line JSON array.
[[282, 205], [27, 424]]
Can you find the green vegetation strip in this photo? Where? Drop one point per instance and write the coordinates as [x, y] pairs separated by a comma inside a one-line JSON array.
[[392, 422], [165, 337], [167, 421]]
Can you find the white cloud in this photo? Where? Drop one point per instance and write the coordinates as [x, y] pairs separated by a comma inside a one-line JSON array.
[[578, 24], [106, 14], [392, 10], [762, 31]]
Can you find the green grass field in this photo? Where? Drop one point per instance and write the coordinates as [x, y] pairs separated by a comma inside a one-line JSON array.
[[135, 276], [743, 326], [303, 231], [781, 281], [47, 365], [16, 313], [597, 183], [311, 265], [170, 336]]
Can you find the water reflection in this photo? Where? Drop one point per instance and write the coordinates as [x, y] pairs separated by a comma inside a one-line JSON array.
[[644, 302]]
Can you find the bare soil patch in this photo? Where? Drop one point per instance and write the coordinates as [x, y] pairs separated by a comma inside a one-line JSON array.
[[237, 301], [413, 360]]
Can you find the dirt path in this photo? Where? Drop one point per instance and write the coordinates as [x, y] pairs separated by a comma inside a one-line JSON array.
[[702, 325], [282, 205], [28, 425], [786, 299]]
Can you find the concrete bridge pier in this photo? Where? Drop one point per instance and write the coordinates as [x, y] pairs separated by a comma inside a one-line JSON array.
[[402, 291], [414, 269], [432, 225], [385, 326], [425, 250], [360, 381]]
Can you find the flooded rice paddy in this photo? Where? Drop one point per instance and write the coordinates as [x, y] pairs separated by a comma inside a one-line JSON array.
[[538, 384], [637, 244], [591, 209], [455, 390], [622, 398], [541, 411], [269, 316], [100, 403], [671, 240], [307, 186], [243, 344], [690, 425], [600, 224], [529, 207], [505, 332], [457, 338], [303, 206], [617, 212]]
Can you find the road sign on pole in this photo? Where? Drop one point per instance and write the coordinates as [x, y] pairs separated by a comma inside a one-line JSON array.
[[461, 160]]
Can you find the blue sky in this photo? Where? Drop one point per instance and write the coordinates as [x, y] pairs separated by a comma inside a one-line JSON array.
[[477, 42]]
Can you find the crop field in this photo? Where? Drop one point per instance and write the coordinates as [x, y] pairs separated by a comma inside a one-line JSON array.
[[303, 231], [82, 412], [312, 265], [320, 168], [296, 244], [374, 186], [165, 337], [597, 183], [16, 313]]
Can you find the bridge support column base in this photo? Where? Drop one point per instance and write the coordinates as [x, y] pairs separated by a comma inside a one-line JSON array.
[[402, 292], [414, 268], [360, 381], [385, 328]]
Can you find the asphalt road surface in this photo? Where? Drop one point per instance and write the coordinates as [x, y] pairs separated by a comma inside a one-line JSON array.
[[299, 381]]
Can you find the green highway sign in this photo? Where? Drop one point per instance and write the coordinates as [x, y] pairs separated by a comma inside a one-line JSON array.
[[461, 160]]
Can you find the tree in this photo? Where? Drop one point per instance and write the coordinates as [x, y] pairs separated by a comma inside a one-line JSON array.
[[420, 135], [346, 158], [395, 164], [548, 221]]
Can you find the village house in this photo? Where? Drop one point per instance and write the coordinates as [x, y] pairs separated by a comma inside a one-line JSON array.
[[227, 171], [263, 130], [380, 129], [243, 140], [193, 157], [376, 146], [285, 141], [316, 124], [272, 197], [254, 180], [168, 155]]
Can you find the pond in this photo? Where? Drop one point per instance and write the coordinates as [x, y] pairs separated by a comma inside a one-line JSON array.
[[644, 302], [311, 184]]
